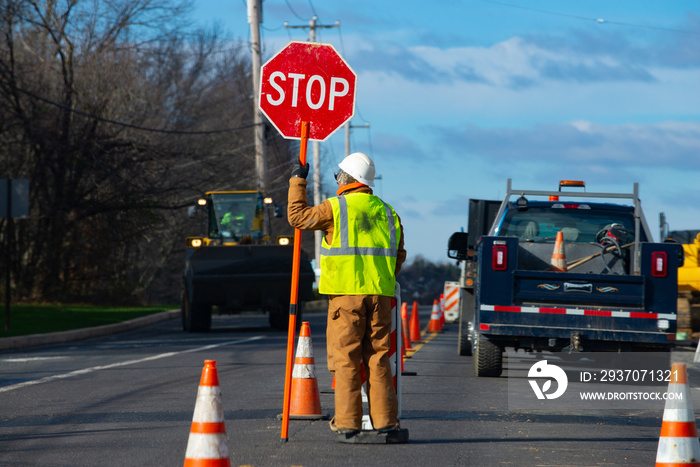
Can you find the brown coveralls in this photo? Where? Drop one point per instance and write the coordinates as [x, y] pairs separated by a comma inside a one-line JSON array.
[[359, 327]]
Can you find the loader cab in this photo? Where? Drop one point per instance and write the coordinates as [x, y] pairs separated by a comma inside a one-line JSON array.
[[236, 217]]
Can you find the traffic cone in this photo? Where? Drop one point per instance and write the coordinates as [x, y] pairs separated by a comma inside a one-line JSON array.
[[415, 323], [558, 261], [442, 311], [305, 398], [207, 445], [405, 333], [434, 325], [678, 442]]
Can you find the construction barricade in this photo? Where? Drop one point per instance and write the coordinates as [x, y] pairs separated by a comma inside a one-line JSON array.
[[394, 358], [452, 293]]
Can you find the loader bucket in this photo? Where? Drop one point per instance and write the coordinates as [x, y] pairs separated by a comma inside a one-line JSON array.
[[244, 278]]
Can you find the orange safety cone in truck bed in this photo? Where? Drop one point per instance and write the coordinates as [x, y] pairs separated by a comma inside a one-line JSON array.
[[558, 261]]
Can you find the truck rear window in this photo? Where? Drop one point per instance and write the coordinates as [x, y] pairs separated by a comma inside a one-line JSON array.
[[541, 223]]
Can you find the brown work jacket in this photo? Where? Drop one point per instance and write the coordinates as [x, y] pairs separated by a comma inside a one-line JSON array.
[[304, 217]]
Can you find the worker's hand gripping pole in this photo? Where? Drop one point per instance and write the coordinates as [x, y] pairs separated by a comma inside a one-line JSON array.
[[293, 300]]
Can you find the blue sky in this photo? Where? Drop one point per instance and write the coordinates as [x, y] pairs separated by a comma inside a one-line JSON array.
[[462, 94]]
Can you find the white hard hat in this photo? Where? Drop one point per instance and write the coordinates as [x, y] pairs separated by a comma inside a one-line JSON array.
[[360, 166]]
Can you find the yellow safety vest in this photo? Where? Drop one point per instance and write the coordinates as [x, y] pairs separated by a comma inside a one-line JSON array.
[[361, 258]]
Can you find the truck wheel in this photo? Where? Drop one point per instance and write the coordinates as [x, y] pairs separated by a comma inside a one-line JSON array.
[[464, 345], [488, 359], [464, 342], [196, 317]]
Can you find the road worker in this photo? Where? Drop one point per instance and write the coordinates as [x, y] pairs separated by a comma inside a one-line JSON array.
[[362, 251], [233, 223]]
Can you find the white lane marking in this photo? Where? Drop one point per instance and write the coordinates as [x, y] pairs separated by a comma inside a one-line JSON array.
[[119, 364], [32, 359]]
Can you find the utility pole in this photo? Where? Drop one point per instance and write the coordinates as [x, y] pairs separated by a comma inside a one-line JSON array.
[[316, 149], [348, 126], [254, 19]]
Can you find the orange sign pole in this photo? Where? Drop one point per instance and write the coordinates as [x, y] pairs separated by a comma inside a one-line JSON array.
[[293, 299]]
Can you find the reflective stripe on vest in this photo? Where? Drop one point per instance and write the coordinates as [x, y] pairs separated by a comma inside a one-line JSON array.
[[360, 261]]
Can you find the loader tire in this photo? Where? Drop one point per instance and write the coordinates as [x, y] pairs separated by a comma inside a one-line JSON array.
[[196, 317], [279, 319], [488, 359], [684, 323]]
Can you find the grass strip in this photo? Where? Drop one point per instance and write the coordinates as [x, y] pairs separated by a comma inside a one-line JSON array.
[[42, 319]]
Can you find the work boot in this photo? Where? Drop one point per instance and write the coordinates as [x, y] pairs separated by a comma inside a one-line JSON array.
[[389, 428], [346, 432]]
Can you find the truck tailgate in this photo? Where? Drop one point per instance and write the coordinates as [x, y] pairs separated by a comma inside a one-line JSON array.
[[582, 289]]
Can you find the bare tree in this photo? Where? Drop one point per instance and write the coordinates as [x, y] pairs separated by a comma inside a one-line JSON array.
[[120, 117]]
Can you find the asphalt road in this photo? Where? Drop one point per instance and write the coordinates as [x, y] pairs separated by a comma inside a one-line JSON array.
[[128, 399]]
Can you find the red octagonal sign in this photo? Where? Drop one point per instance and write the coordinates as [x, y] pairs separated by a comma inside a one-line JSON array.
[[307, 82]]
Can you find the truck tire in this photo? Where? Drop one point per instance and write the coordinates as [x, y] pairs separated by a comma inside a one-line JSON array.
[[464, 342], [196, 317], [488, 359]]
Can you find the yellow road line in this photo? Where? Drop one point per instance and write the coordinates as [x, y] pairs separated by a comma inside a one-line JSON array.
[[422, 342]]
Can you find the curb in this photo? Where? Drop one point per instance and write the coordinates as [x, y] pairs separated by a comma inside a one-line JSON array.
[[33, 340]]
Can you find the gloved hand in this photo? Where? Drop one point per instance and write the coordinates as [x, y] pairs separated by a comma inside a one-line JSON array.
[[299, 170]]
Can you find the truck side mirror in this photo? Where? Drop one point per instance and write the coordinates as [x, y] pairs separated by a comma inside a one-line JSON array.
[[681, 251], [191, 211], [279, 210], [457, 246]]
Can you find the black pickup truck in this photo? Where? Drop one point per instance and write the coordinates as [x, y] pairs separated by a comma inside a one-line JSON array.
[[614, 289]]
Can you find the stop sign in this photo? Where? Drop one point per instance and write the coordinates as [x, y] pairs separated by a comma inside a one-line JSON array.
[[307, 82]]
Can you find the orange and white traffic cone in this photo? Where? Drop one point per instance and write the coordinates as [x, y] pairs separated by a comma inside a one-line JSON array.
[[305, 398], [207, 445], [442, 311], [434, 325], [415, 323], [558, 261], [678, 442], [405, 333]]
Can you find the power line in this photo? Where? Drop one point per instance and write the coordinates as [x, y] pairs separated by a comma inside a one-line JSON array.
[[313, 10], [588, 18], [128, 125], [292, 10]]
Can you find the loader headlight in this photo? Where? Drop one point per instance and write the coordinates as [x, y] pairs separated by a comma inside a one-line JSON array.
[[284, 240], [194, 242], [663, 324]]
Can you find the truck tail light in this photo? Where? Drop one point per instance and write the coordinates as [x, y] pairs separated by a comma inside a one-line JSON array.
[[658, 264], [499, 258]]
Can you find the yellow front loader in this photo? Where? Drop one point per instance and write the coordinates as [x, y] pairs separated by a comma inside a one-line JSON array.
[[688, 284], [235, 266]]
